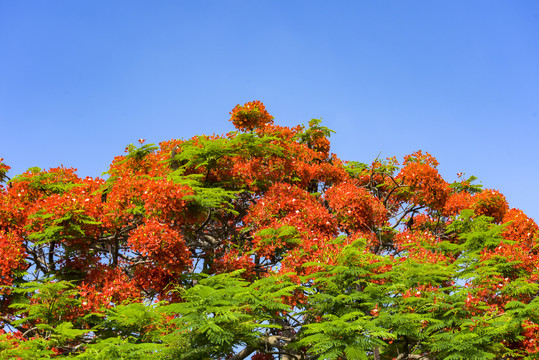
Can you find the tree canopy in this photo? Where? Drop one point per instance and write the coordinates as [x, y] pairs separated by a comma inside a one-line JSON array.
[[262, 244]]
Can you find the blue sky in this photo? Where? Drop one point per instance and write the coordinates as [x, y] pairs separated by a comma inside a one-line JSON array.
[[460, 79]]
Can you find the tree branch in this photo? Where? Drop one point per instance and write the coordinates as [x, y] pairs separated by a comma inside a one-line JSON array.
[[244, 353]]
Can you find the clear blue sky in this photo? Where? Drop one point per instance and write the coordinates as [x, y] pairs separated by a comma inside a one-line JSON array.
[[81, 79]]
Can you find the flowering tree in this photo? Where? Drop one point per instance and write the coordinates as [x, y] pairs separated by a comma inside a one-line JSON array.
[[262, 244]]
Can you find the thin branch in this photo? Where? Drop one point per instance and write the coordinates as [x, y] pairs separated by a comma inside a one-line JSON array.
[[205, 221], [244, 353], [9, 322], [406, 212]]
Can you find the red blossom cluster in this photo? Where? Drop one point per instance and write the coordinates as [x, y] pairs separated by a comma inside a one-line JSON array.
[[423, 184], [456, 203], [490, 203], [104, 287], [520, 228], [12, 257], [531, 337], [355, 208], [250, 116], [289, 205], [167, 250]]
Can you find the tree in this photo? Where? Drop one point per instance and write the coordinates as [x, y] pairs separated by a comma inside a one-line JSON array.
[[262, 244]]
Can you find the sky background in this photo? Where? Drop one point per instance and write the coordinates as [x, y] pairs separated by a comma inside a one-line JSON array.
[[79, 80]]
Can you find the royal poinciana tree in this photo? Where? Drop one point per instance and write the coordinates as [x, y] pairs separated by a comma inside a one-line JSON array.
[[262, 244]]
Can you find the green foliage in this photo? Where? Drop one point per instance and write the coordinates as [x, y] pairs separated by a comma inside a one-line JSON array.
[[343, 308], [48, 301], [314, 131], [356, 168], [69, 226], [223, 312], [139, 153], [208, 153], [127, 331], [118, 348], [47, 182], [208, 196], [49, 305], [284, 236], [31, 350], [466, 186], [200, 156]]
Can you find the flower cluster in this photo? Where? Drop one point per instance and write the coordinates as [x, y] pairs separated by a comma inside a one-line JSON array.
[[12, 255], [422, 184], [166, 254], [457, 202], [520, 228], [490, 203], [105, 287], [250, 116], [354, 208]]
